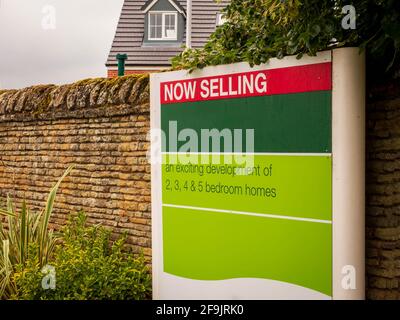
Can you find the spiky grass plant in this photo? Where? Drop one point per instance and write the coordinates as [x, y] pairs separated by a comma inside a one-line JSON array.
[[20, 231]]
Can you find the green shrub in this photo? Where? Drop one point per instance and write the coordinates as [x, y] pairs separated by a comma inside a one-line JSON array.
[[25, 235], [257, 30], [88, 266]]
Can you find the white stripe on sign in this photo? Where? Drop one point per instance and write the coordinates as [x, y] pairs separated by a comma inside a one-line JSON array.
[[262, 215], [252, 154]]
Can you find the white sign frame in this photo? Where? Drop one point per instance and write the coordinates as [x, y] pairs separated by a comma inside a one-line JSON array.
[[348, 186]]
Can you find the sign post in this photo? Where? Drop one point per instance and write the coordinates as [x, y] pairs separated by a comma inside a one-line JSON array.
[[257, 181]]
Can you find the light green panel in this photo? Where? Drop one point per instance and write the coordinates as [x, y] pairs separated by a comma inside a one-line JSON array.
[[206, 245], [299, 186]]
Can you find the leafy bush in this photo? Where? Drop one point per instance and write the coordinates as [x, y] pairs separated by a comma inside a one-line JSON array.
[[25, 234], [87, 267], [257, 30]]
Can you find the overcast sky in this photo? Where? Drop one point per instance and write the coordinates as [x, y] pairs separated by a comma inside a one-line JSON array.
[[55, 41]]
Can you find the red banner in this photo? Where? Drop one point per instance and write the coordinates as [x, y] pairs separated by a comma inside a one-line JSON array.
[[314, 77]]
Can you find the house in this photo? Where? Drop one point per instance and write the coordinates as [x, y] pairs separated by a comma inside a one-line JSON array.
[[151, 32]]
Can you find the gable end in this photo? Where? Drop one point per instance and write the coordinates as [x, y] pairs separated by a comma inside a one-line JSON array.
[[149, 4]]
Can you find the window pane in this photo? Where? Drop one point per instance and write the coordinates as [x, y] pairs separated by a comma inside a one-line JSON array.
[[155, 32], [166, 19], [155, 25], [170, 21], [173, 20], [170, 30], [159, 32], [159, 19]]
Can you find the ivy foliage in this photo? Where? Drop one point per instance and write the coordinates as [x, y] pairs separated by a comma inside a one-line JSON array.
[[257, 30]]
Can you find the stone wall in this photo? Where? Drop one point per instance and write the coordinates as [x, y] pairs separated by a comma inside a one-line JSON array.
[[383, 192], [100, 126]]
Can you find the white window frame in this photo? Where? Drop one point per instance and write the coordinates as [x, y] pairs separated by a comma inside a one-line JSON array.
[[163, 36]]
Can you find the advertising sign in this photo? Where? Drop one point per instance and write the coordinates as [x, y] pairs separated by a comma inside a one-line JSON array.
[[243, 183]]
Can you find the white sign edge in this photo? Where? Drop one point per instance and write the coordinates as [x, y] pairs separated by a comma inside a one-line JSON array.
[[348, 174], [349, 68]]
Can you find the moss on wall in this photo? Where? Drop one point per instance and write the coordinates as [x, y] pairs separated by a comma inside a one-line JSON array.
[[84, 94]]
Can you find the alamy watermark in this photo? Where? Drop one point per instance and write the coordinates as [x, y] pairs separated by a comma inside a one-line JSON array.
[[188, 146], [49, 280], [49, 20], [349, 21], [349, 277]]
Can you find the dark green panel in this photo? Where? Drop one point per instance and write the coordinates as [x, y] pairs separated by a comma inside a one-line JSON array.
[[282, 123]]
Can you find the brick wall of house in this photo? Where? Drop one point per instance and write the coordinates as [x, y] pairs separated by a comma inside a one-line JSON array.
[[114, 73], [98, 125]]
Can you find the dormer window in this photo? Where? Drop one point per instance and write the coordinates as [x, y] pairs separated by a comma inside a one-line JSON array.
[[163, 25]]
